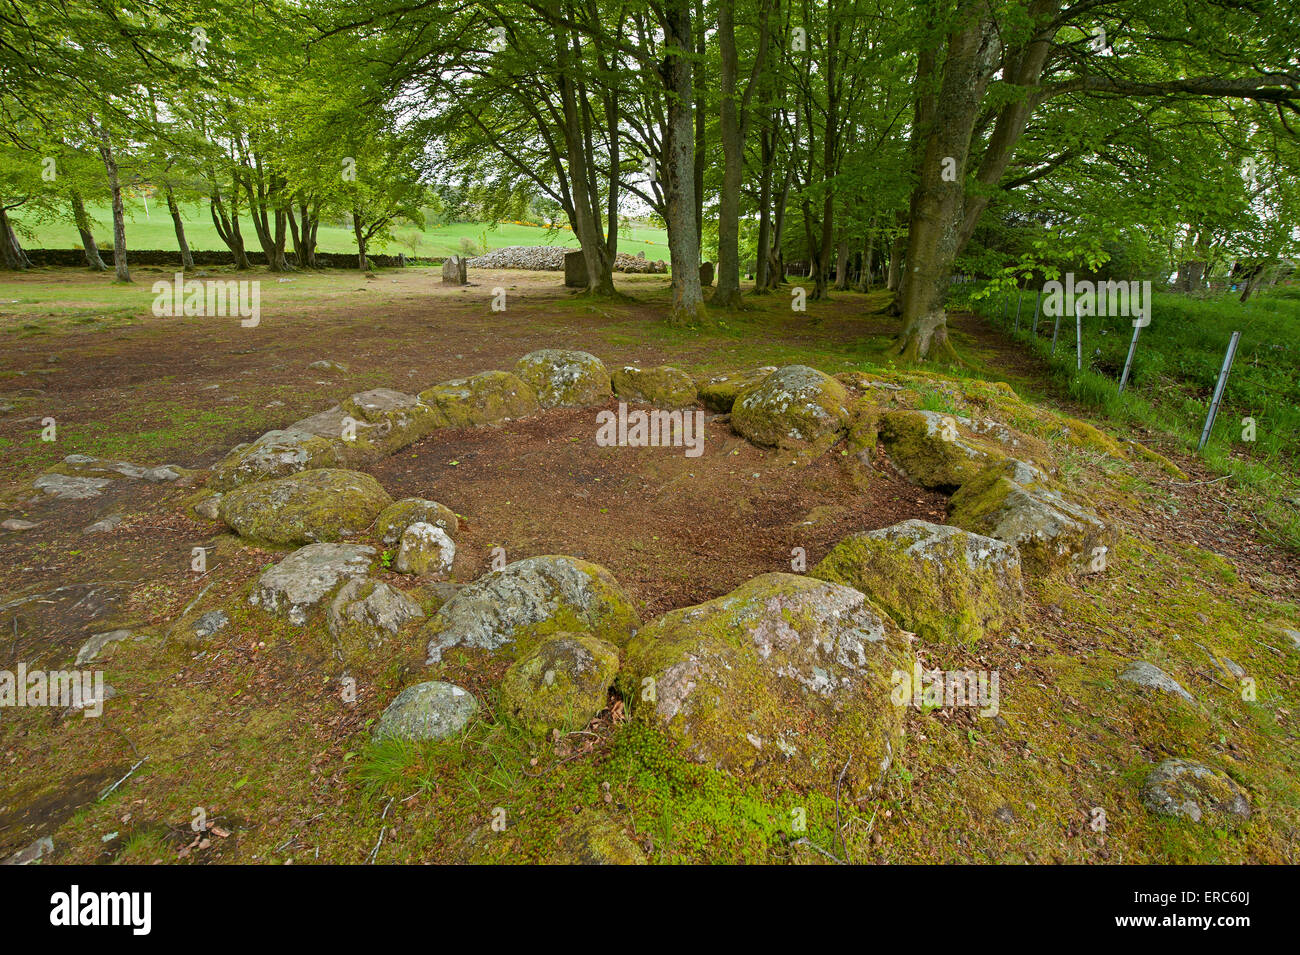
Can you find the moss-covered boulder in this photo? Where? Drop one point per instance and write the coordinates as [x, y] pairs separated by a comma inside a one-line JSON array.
[[482, 399], [561, 683], [719, 392], [427, 711], [371, 424], [511, 610], [937, 581], [794, 406], [273, 455], [425, 550], [327, 504], [400, 515], [785, 679], [365, 615], [1182, 789], [563, 378], [662, 386], [934, 449], [1017, 503]]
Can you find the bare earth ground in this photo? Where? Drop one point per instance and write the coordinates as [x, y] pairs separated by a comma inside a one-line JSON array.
[[250, 726]]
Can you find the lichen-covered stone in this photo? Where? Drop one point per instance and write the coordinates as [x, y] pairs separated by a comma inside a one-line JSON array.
[[69, 487], [425, 550], [563, 378], [382, 421], [719, 392], [1017, 503], [328, 504], [297, 585], [364, 615], [400, 515], [86, 465], [793, 406], [937, 581], [482, 399], [273, 455], [784, 679], [1148, 676], [561, 683], [427, 711], [662, 386], [1186, 790], [512, 609]]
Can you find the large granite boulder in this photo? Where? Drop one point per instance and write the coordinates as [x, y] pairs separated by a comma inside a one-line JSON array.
[[275, 454], [934, 449], [364, 615], [327, 504], [937, 581], [662, 386], [786, 678], [482, 399], [1017, 503], [561, 683], [299, 584], [719, 392], [564, 378], [427, 711], [511, 610], [793, 406]]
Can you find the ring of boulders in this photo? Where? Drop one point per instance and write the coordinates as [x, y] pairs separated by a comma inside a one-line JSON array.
[[788, 677]]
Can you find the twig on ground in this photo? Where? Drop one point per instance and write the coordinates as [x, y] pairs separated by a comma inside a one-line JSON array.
[[107, 792]]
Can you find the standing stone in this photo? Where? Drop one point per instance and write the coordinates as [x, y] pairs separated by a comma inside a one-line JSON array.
[[455, 271], [706, 274], [575, 270]]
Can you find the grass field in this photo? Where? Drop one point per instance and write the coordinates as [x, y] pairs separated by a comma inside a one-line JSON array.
[[151, 228]]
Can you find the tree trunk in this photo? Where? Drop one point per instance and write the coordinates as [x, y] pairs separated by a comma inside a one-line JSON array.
[[894, 279], [868, 253], [88, 246], [187, 259], [11, 250], [842, 265], [119, 213], [362, 262], [943, 129], [679, 171], [1191, 276], [228, 226], [727, 294], [584, 214]]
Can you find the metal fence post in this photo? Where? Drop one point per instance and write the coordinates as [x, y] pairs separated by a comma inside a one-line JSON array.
[[1078, 340], [1038, 301], [1128, 362], [1218, 389], [1019, 295]]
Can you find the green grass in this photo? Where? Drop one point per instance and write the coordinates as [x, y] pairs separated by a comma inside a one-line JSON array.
[[1175, 367], [151, 229]]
